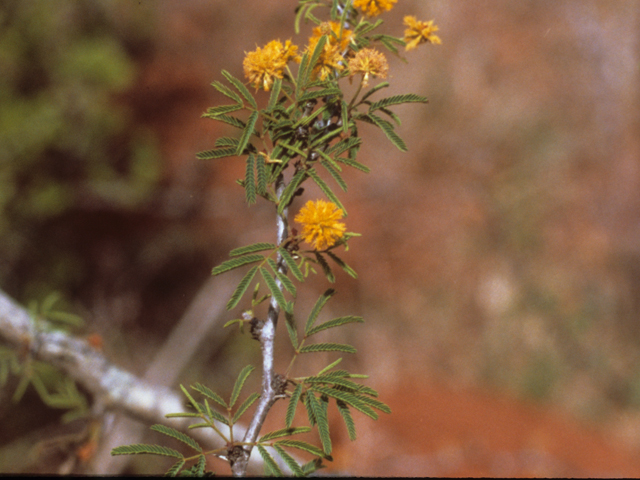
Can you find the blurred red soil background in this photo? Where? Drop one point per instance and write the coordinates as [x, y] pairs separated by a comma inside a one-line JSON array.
[[499, 262]]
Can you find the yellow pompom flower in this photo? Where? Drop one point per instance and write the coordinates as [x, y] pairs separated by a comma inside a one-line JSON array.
[[330, 29], [374, 8], [263, 65], [320, 225], [419, 32], [331, 59], [369, 62]]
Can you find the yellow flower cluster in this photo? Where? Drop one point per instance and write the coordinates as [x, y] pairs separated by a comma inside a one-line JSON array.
[[320, 225], [419, 32], [374, 8], [369, 62], [264, 65], [336, 46]]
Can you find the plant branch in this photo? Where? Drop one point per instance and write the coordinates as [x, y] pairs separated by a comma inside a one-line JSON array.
[[267, 344]]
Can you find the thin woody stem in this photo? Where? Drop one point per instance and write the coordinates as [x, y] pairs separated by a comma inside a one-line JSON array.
[[267, 343]]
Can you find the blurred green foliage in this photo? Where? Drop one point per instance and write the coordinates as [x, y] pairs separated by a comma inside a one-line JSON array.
[[66, 143]]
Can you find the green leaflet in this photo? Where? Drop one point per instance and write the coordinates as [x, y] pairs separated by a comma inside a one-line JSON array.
[[374, 90], [237, 387], [326, 190], [354, 164], [270, 463], [284, 432], [348, 419], [207, 392], [216, 153], [288, 459], [261, 173], [290, 190], [241, 88], [326, 269], [235, 263], [247, 132], [213, 112], [293, 403], [245, 405], [327, 347], [336, 322], [242, 288], [227, 142], [350, 271], [291, 263], [223, 89], [139, 448], [275, 93], [356, 401], [335, 174], [325, 92], [397, 100], [254, 247], [315, 311], [387, 128], [173, 433], [175, 468], [273, 288], [300, 445], [320, 415], [250, 181], [291, 328]]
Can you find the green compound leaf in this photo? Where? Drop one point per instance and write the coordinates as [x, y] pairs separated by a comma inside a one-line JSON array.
[[289, 460], [242, 378], [327, 347], [250, 181], [397, 100], [345, 413], [336, 322], [320, 414], [245, 405], [139, 448], [284, 432], [291, 263], [326, 190], [273, 288], [241, 88], [193, 402], [235, 263], [293, 403], [352, 163], [173, 433], [247, 132], [254, 247], [216, 153], [241, 289], [223, 89], [315, 311], [387, 128], [210, 394], [344, 145], [175, 468], [326, 269], [270, 463]]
